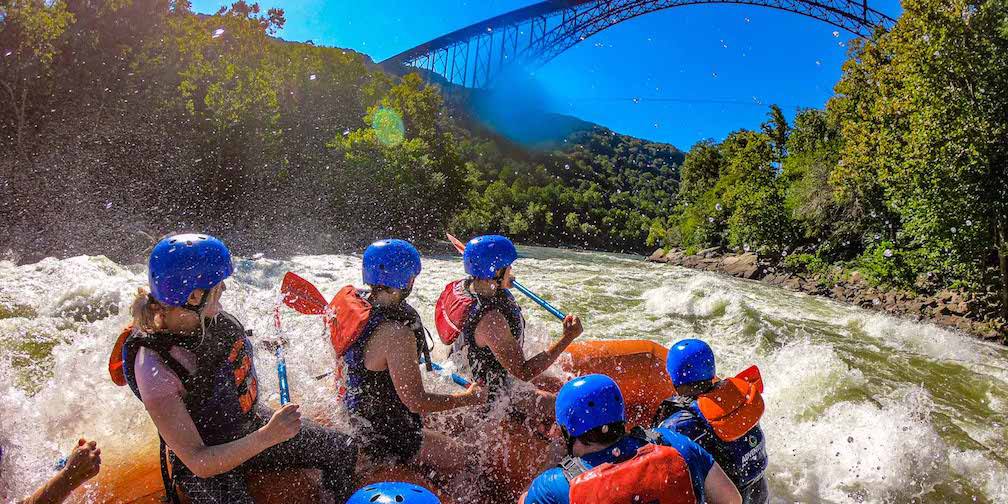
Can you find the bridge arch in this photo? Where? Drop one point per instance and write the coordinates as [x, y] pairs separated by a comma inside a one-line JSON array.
[[532, 36]]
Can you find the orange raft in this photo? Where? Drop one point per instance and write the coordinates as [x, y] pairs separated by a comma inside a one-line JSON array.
[[638, 367]]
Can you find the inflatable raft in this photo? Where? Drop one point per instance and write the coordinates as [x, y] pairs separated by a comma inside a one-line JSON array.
[[637, 366]]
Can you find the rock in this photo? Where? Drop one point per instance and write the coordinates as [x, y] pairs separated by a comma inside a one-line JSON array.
[[753, 273], [657, 256], [709, 252], [945, 295], [857, 279], [941, 310], [958, 308], [674, 256], [839, 292], [792, 283]]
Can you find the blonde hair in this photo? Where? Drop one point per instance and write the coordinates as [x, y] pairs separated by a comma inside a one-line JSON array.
[[145, 311]]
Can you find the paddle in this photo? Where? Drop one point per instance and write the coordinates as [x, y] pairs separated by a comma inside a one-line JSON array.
[[521, 288], [305, 298], [281, 359]]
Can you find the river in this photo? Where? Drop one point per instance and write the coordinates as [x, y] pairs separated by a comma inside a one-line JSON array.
[[860, 406]]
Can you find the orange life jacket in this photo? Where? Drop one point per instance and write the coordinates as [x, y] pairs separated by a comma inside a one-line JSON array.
[[452, 309], [115, 363], [733, 408], [346, 316], [656, 474]]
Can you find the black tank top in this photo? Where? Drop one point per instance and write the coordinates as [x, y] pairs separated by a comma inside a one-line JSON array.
[[371, 394], [484, 364]]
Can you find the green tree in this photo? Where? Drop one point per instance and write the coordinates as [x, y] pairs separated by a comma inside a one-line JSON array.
[[30, 33]]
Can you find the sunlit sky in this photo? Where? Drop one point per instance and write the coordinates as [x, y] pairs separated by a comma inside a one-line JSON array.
[[699, 71]]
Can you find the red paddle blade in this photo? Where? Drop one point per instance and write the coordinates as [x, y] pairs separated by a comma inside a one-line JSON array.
[[752, 375], [301, 295], [455, 241]]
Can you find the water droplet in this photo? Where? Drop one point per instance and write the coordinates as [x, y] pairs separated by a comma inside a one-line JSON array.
[[873, 213], [655, 125], [954, 230], [877, 237], [888, 252], [8, 53], [218, 32], [718, 206], [636, 100], [311, 77], [969, 223], [566, 167], [745, 247], [927, 38], [850, 439], [783, 254], [818, 63], [108, 205], [710, 219], [346, 132], [875, 302], [836, 33], [746, 20], [714, 74]]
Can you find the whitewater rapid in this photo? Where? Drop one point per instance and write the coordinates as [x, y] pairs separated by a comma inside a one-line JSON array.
[[860, 406]]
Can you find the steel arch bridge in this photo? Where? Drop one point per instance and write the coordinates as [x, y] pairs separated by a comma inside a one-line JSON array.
[[534, 35]]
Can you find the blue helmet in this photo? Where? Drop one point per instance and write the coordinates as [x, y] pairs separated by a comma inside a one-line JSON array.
[[587, 402], [690, 360], [391, 263], [485, 255], [182, 263], [393, 493]]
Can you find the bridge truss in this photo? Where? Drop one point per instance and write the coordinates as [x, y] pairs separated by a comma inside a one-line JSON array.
[[532, 36]]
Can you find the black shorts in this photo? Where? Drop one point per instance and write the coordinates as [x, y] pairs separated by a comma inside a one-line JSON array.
[[314, 446], [397, 435]]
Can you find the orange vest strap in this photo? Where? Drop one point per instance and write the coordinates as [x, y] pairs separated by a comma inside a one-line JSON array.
[[115, 365]]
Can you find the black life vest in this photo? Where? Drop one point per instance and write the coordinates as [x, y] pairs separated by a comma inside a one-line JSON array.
[[221, 393], [483, 363]]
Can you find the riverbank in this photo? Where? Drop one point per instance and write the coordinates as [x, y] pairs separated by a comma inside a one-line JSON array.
[[959, 310]]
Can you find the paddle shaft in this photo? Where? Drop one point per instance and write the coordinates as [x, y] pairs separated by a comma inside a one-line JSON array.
[[550, 308], [281, 360], [455, 378]]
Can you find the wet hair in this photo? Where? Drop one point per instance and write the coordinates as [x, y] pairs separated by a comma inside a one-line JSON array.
[[604, 434], [697, 387], [144, 310]]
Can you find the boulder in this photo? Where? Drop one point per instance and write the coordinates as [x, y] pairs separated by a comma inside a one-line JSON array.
[[657, 256], [709, 252], [857, 279]]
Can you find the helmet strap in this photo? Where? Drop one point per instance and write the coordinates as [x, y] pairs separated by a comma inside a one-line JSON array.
[[198, 308], [568, 440]]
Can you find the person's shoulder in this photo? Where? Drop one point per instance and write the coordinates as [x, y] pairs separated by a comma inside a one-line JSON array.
[[550, 487], [683, 421], [695, 455]]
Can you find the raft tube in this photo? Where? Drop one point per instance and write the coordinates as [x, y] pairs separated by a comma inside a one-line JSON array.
[[638, 366]]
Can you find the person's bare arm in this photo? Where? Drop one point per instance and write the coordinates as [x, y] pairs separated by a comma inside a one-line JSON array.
[[83, 464], [719, 489], [175, 425], [398, 345], [493, 330]]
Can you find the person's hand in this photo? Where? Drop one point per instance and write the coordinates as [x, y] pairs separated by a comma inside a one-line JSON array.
[[572, 327], [283, 425], [83, 463], [476, 393]]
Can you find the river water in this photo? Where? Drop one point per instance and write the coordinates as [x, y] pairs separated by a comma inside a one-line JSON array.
[[860, 406]]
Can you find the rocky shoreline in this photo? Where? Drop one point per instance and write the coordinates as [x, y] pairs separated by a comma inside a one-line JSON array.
[[957, 310]]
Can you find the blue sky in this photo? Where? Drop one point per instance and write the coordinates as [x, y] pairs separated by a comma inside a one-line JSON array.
[[699, 71]]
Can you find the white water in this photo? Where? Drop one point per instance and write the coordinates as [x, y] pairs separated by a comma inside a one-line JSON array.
[[861, 407]]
